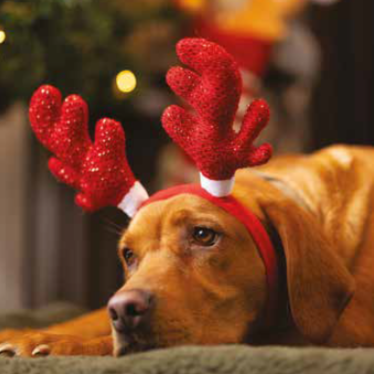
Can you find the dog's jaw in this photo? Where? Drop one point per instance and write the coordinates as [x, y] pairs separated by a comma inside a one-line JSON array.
[[124, 344]]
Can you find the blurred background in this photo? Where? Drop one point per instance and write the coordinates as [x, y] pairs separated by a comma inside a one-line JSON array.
[[312, 60]]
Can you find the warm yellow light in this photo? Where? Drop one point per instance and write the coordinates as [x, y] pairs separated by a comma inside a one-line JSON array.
[[126, 81], [2, 36], [192, 5]]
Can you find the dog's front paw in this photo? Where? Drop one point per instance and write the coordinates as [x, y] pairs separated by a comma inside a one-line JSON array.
[[39, 344]]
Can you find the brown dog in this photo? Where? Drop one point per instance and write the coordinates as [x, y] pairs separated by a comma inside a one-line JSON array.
[[194, 274]]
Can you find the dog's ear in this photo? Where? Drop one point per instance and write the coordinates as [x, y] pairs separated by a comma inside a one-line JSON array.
[[319, 285]]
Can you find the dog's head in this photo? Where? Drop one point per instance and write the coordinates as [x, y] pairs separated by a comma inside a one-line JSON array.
[[199, 270], [194, 276]]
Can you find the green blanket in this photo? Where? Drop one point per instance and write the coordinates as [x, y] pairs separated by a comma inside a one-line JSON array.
[[36, 319], [197, 360], [187, 360]]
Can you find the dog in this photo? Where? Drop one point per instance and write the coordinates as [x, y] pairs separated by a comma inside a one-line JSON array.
[[194, 275]]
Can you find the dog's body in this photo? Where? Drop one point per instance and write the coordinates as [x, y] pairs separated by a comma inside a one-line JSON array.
[[320, 211]]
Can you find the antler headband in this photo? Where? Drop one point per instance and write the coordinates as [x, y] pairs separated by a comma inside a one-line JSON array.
[[213, 90], [99, 170]]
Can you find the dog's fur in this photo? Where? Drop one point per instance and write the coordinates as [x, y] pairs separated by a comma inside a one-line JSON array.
[[320, 211]]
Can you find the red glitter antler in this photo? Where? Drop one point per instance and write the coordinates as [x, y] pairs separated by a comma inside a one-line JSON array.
[[213, 88], [99, 170]]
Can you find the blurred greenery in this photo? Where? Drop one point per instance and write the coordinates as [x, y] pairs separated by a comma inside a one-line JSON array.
[[80, 45]]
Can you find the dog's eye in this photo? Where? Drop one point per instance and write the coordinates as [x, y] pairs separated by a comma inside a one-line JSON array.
[[204, 236], [128, 255]]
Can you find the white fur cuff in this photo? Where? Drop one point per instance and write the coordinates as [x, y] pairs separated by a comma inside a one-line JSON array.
[[217, 188], [133, 199]]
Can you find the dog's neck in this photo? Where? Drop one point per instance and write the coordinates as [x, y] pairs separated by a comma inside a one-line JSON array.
[[283, 330], [282, 322]]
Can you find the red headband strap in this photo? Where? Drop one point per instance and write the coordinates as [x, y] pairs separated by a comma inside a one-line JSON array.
[[254, 227]]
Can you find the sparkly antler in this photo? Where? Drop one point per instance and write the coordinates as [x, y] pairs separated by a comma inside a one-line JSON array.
[[99, 170], [213, 88]]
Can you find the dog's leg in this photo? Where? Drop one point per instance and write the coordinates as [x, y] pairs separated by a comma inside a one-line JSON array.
[[8, 334], [90, 325], [86, 335]]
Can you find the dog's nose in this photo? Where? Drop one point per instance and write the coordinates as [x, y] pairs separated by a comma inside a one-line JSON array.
[[129, 309]]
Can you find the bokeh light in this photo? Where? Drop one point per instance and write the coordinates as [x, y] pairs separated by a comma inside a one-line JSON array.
[[2, 36], [126, 81]]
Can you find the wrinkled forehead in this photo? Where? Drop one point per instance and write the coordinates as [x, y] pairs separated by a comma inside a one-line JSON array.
[[183, 205], [178, 210]]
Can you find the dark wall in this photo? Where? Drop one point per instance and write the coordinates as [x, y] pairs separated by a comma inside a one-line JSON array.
[[343, 105]]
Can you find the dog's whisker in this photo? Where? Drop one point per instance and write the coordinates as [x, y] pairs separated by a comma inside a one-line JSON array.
[[113, 224], [113, 230], [113, 227]]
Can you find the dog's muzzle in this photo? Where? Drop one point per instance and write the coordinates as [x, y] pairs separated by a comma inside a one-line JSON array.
[[129, 310], [130, 313]]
